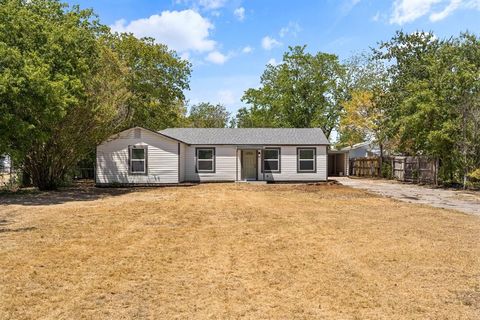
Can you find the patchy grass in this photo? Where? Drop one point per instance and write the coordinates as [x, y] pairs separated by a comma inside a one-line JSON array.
[[228, 251]]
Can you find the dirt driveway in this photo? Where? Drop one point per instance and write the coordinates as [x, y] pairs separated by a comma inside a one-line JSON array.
[[464, 201], [230, 251]]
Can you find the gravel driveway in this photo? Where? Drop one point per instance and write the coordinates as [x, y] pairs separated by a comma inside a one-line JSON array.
[[464, 201]]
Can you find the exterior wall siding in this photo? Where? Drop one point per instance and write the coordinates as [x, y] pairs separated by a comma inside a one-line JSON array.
[[183, 149], [166, 166], [225, 164], [288, 166], [228, 161], [162, 159]]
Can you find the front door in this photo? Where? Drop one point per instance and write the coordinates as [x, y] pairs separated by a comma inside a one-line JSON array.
[[249, 165]]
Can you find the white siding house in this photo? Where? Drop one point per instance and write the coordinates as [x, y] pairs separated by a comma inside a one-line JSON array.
[[139, 156], [161, 161]]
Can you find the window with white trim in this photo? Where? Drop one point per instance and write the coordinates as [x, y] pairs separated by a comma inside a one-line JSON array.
[[306, 160], [271, 160], [138, 159], [205, 159]]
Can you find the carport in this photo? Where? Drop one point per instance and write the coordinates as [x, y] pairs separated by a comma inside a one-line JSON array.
[[337, 163]]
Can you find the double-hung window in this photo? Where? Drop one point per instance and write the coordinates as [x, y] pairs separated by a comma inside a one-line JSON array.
[[205, 159], [271, 160], [306, 160], [137, 159]]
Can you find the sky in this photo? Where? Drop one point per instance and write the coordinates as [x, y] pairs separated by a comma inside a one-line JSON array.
[[229, 42]]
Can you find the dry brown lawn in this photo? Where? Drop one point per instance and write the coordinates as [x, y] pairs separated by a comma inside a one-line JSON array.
[[226, 251]]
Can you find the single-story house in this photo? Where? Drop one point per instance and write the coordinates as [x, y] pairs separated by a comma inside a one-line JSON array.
[[362, 150], [142, 157]]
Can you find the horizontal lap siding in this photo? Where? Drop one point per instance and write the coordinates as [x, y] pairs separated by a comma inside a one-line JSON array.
[[225, 164], [162, 163], [288, 166], [182, 161]]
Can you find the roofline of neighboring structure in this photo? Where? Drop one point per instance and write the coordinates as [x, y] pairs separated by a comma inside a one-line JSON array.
[[358, 145]]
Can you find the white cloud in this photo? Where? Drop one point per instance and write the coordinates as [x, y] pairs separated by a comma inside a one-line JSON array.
[[212, 4], [205, 4], [239, 13], [348, 5], [180, 30], [216, 57], [247, 49], [273, 62], [376, 17], [405, 11], [226, 97], [293, 28], [452, 6], [409, 10], [269, 43]]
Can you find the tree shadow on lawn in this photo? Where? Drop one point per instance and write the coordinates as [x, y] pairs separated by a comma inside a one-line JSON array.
[[84, 191]]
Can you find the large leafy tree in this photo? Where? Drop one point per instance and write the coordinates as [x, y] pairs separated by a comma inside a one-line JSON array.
[[61, 87], [362, 117], [302, 91], [432, 99], [156, 80], [207, 115], [67, 83]]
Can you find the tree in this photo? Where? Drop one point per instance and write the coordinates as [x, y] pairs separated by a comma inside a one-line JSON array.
[[207, 115], [156, 80], [432, 100], [361, 117], [303, 91], [62, 89]]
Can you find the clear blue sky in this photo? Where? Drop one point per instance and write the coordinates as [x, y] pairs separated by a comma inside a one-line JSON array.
[[229, 42]]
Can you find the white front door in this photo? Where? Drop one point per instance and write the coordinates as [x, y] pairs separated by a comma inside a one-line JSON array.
[[249, 165]]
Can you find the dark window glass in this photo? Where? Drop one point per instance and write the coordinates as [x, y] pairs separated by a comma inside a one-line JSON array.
[[306, 165], [205, 154], [205, 165], [138, 154], [138, 166], [270, 165], [306, 153], [270, 154]]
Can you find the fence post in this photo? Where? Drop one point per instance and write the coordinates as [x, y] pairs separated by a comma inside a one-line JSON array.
[[418, 170], [393, 168]]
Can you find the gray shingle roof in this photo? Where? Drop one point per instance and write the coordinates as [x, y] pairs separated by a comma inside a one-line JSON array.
[[247, 136]]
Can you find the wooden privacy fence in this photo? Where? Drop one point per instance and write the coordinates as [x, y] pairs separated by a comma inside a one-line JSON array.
[[366, 167], [418, 169], [415, 169]]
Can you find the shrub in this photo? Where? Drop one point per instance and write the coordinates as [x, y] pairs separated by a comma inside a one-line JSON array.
[[387, 170]]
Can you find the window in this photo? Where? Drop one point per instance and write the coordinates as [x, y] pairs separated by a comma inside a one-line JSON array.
[[271, 160], [205, 159], [306, 160], [138, 159]]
